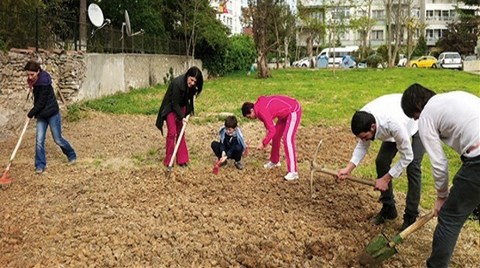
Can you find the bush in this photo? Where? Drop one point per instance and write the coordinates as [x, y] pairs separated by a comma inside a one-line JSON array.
[[240, 54], [374, 60]]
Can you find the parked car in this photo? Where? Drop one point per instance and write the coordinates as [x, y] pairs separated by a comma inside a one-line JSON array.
[[305, 62], [424, 62], [298, 62], [450, 60]]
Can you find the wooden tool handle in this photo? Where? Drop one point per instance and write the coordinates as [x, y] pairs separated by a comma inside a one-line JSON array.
[[416, 225], [177, 144], [334, 173]]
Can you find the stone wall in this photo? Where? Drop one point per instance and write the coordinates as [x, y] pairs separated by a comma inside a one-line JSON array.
[[67, 69], [78, 76]]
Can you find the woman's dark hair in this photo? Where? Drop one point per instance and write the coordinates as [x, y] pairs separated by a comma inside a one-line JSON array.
[[362, 122], [195, 72], [415, 98], [246, 107], [32, 66], [231, 122]]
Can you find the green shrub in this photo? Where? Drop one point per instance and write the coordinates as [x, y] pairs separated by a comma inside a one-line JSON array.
[[374, 59], [240, 53]]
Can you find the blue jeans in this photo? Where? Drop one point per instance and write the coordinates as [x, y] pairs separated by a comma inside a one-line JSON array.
[[55, 123]]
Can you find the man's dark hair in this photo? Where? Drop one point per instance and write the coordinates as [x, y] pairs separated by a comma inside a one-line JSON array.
[[231, 122], [362, 122], [195, 72], [32, 66], [415, 98], [246, 107]]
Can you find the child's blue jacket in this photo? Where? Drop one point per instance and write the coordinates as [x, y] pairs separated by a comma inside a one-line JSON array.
[[238, 134]]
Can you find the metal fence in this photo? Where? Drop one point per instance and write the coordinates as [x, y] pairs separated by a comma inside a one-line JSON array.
[[40, 30]]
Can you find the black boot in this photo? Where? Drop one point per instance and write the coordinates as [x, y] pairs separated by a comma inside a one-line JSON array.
[[387, 213], [407, 221]]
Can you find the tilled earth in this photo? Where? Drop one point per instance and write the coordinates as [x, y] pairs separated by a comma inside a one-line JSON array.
[[116, 208]]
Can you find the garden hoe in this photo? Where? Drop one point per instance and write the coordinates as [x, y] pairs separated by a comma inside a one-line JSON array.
[[177, 144], [314, 167], [216, 167], [5, 178], [381, 248]]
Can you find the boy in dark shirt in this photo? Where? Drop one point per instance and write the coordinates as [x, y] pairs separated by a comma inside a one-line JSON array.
[[231, 144]]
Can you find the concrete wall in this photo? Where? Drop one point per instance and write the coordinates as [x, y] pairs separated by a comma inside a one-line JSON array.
[[107, 74], [472, 66]]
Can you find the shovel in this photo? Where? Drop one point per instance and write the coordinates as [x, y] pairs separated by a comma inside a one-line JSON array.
[[5, 179], [177, 144], [381, 248]]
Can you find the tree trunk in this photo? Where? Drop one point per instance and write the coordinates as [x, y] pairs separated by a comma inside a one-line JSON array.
[[263, 71]]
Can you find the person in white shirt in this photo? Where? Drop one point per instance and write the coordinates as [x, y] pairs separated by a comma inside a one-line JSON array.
[[383, 119], [453, 118]]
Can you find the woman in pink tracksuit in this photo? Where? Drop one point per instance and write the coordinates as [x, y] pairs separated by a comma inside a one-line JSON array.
[[288, 113]]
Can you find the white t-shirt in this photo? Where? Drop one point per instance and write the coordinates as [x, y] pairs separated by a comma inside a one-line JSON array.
[[453, 118], [392, 126]]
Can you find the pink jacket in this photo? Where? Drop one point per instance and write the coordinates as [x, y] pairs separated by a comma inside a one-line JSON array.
[[268, 108]]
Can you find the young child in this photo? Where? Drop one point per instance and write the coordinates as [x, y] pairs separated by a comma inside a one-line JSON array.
[[231, 144]]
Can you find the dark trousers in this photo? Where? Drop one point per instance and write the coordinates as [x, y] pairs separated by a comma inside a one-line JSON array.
[[387, 152], [464, 197], [234, 152]]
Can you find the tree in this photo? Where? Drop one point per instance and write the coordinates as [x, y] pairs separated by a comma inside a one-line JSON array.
[[421, 48], [338, 23], [261, 14], [284, 30], [471, 2], [413, 25], [364, 24], [312, 24], [240, 53], [460, 35]]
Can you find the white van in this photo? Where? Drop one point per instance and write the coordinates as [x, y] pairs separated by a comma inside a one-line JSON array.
[[340, 52]]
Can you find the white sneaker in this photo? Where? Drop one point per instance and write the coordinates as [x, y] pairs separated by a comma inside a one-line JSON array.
[[291, 176], [271, 165]]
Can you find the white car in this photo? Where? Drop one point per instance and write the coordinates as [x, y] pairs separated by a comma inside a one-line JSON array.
[[450, 60], [305, 62]]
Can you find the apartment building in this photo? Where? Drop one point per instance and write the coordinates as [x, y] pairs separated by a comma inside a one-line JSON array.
[[433, 14], [229, 12]]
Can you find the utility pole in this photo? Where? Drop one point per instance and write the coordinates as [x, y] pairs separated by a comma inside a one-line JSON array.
[[83, 25]]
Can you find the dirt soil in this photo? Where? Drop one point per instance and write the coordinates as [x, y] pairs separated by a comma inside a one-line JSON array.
[[115, 207]]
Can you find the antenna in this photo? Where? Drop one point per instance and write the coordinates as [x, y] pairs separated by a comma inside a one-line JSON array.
[[95, 15]]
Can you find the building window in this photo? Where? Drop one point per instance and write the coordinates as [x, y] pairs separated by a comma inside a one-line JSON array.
[[340, 13], [378, 14], [377, 35], [317, 16]]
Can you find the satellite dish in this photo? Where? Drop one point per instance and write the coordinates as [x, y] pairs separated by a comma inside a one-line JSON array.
[[127, 24], [95, 15], [128, 28]]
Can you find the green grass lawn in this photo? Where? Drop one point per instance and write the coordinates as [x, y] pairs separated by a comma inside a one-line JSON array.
[[327, 99]]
